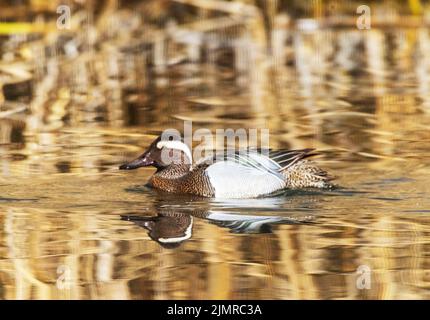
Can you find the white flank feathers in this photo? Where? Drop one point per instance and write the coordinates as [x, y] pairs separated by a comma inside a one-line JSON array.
[[250, 175]]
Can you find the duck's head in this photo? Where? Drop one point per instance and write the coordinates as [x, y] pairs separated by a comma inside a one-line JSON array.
[[162, 153]]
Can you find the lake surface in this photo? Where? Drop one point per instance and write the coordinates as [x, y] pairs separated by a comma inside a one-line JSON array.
[[75, 227]]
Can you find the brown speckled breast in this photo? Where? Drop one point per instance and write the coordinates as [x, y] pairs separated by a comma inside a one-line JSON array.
[[174, 179]]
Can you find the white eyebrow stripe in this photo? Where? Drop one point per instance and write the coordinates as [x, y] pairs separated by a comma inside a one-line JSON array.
[[178, 145]]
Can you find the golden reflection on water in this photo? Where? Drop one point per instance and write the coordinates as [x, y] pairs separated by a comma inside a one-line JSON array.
[[73, 227]]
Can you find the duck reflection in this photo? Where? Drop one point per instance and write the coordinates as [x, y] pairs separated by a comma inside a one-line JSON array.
[[173, 224], [169, 229]]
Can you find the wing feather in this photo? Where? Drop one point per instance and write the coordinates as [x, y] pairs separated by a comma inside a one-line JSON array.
[[287, 158]]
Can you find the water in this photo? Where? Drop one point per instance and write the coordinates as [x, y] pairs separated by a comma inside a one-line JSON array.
[[74, 227]]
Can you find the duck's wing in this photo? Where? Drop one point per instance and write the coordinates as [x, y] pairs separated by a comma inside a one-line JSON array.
[[287, 158], [274, 160], [249, 159]]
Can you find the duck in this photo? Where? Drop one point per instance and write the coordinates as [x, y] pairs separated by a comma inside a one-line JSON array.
[[241, 174]]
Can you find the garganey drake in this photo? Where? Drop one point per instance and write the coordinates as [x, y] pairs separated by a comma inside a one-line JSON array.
[[246, 174]]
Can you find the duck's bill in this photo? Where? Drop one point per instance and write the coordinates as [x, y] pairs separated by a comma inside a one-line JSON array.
[[139, 162]]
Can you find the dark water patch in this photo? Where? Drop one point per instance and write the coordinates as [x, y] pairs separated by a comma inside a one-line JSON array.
[[386, 199], [397, 180], [388, 181], [138, 189], [18, 199], [301, 192], [82, 206], [333, 192]]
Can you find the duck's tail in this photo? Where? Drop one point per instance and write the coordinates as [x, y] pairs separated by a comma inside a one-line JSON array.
[[306, 174], [298, 171]]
